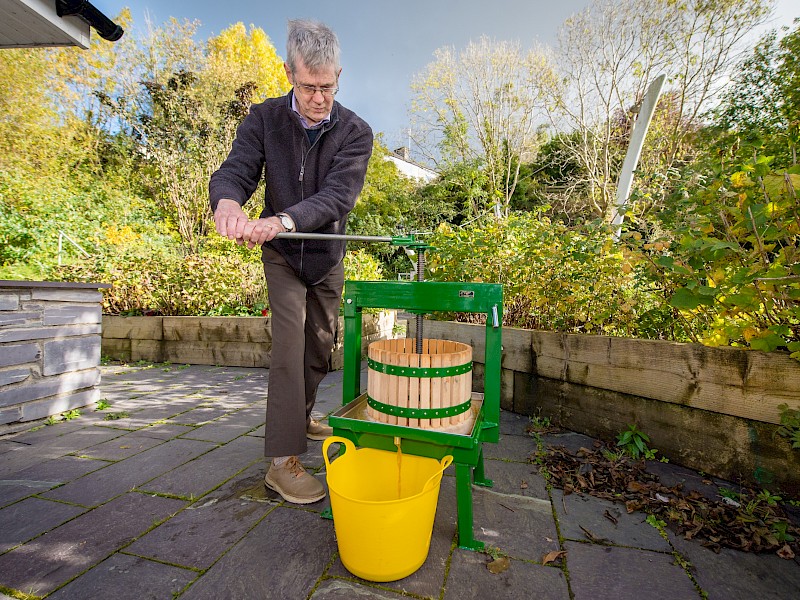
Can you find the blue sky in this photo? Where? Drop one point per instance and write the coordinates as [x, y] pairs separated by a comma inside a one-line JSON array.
[[384, 44]]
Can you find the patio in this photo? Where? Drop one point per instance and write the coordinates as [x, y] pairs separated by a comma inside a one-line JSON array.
[[160, 495]]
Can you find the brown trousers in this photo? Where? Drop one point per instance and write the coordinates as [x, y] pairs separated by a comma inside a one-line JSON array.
[[304, 319]]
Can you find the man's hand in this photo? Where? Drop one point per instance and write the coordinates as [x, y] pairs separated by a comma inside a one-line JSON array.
[[262, 230], [230, 220]]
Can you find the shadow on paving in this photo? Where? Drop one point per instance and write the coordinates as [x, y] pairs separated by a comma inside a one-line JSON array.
[[161, 495]]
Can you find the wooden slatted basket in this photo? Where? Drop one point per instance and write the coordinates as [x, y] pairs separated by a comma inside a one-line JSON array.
[[431, 390]]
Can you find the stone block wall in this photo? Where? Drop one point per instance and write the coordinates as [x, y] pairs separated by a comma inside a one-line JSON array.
[[50, 335]]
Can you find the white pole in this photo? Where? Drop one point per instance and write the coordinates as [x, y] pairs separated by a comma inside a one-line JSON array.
[[635, 150]]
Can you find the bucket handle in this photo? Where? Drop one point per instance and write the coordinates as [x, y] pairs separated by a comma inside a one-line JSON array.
[[348, 445], [444, 463]]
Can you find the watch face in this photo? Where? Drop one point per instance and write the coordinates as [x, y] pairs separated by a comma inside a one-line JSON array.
[[287, 223]]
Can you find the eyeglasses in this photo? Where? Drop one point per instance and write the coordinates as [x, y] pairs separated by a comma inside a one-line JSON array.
[[310, 90]]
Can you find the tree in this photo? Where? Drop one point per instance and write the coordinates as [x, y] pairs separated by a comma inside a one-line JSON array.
[[606, 57], [26, 113], [762, 105], [185, 119], [237, 56], [480, 106]]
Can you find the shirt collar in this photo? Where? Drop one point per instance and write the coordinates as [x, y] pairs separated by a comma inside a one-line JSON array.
[[303, 120]]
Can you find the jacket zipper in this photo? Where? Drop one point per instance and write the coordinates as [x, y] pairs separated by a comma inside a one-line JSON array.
[[302, 192]]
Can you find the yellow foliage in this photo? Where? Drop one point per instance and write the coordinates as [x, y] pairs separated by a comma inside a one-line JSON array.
[[237, 56], [740, 180], [716, 338], [120, 236]]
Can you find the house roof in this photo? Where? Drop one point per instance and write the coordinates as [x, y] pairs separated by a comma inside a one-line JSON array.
[[36, 23], [409, 168]]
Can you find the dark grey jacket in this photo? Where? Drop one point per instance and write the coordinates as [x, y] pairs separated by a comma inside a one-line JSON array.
[[317, 185]]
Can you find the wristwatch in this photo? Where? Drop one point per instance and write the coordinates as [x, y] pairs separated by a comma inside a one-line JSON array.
[[286, 221]]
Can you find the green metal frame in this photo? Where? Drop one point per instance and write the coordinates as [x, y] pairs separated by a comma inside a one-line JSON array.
[[427, 297]]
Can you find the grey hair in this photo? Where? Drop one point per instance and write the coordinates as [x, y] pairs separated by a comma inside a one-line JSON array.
[[313, 43]]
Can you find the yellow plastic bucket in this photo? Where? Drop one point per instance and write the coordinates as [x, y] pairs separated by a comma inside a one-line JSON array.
[[383, 509]]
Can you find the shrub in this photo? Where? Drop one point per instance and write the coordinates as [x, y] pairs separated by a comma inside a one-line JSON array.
[[167, 283], [729, 261], [555, 277]]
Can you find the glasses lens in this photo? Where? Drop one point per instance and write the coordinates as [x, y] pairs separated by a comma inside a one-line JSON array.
[[310, 90]]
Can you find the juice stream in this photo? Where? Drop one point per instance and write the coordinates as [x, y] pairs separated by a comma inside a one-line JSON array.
[[399, 468]]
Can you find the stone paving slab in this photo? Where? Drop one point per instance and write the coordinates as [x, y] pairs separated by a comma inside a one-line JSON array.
[[581, 517], [570, 440], [340, 589], [516, 478], [199, 416], [123, 577], [470, 579], [43, 476], [521, 527], [197, 477], [42, 451], [122, 447], [138, 418], [199, 535], [282, 557], [33, 516], [102, 485], [514, 424], [733, 575], [229, 426], [672, 475], [164, 431], [514, 447], [613, 573], [45, 563]]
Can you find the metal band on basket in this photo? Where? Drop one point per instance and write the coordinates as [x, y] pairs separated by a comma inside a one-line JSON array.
[[419, 413], [428, 372]]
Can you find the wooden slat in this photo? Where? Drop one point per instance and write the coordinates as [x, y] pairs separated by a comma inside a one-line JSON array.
[[425, 389], [414, 387], [446, 398], [142, 328], [247, 329], [402, 386], [436, 389], [372, 377]]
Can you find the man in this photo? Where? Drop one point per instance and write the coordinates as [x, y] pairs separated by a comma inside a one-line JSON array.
[[314, 154]]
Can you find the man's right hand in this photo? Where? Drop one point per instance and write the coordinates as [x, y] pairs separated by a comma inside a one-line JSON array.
[[230, 220]]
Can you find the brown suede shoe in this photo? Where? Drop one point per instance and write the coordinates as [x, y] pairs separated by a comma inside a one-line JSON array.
[[292, 482], [318, 431]]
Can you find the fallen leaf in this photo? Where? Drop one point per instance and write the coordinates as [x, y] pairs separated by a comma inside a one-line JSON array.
[[786, 552], [523, 485], [553, 556], [635, 486], [610, 517], [498, 565], [593, 538]]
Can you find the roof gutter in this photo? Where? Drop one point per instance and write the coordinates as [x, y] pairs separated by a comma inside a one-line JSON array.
[[105, 27]]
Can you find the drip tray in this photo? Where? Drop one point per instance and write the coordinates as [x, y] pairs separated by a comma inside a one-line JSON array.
[[357, 411]]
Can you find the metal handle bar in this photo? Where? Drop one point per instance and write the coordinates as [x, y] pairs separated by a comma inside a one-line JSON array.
[[403, 240], [334, 236]]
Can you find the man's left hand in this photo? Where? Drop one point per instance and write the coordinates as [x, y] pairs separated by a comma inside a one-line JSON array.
[[259, 231]]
